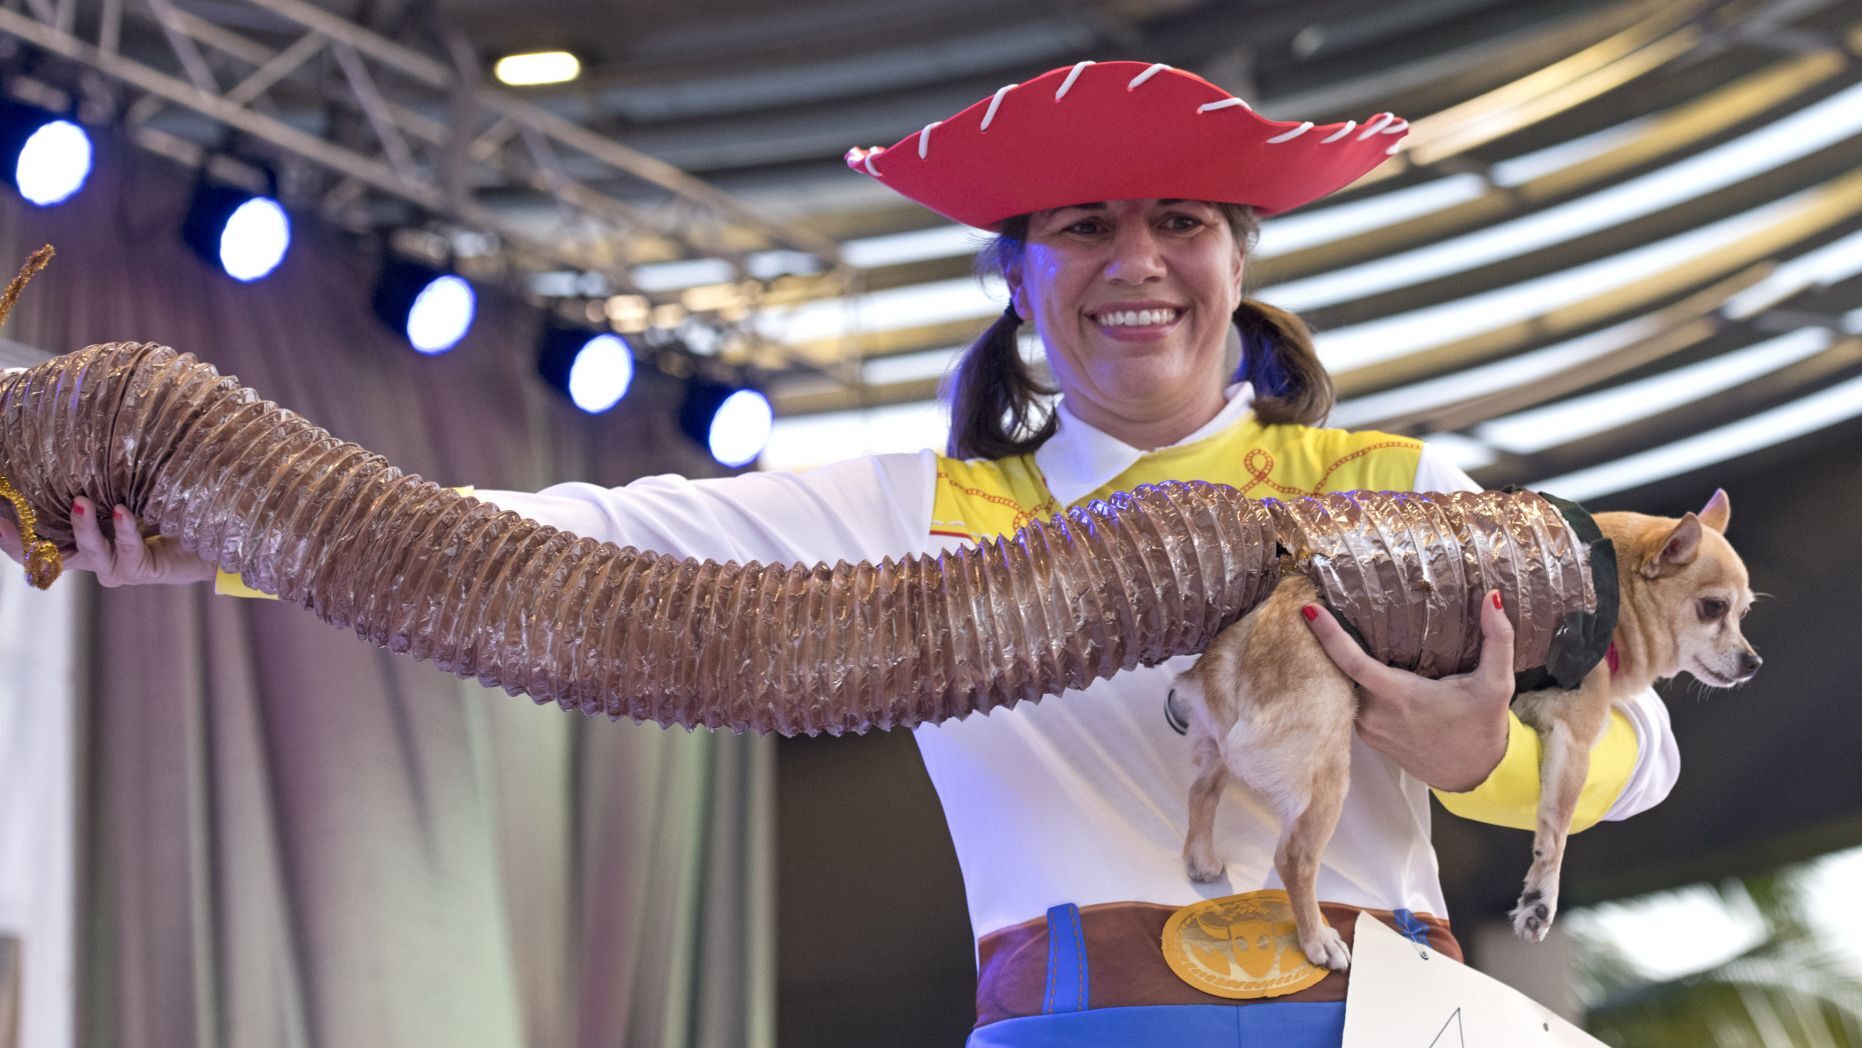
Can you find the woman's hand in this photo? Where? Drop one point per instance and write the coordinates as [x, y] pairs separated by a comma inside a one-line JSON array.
[[130, 560], [1450, 733]]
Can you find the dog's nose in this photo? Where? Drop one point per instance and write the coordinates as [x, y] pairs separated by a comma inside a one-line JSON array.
[[1749, 663]]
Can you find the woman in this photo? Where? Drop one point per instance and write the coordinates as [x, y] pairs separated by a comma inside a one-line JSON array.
[[1125, 199]]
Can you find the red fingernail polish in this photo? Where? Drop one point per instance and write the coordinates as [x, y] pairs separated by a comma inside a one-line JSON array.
[[1496, 602], [77, 508], [1311, 612], [117, 513]]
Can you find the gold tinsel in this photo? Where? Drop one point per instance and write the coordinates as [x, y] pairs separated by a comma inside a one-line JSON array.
[[43, 562]]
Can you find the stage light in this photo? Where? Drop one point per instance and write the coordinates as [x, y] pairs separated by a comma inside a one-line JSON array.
[[541, 67], [593, 368], [432, 308], [731, 422], [245, 234], [441, 315], [45, 157]]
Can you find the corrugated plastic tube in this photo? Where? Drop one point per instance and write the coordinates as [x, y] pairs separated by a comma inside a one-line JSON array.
[[485, 593]]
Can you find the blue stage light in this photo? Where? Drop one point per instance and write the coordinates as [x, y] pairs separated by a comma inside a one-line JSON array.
[[740, 429], [432, 308], [245, 234], [256, 236], [441, 315], [731, 422], [53, 163], [46, 158], [601, 374], [593, 368]]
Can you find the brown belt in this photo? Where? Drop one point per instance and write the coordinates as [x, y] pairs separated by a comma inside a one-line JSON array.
[[1126, 962]]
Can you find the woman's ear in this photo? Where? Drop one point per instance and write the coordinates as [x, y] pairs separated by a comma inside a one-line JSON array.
[[1018, 293]]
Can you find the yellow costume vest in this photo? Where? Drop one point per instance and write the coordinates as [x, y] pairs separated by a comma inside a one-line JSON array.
[[978, 499]]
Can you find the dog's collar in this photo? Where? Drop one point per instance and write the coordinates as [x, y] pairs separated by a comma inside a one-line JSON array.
[[1610, 658]]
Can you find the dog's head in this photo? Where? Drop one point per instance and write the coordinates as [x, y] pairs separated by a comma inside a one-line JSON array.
[[1689, 588]]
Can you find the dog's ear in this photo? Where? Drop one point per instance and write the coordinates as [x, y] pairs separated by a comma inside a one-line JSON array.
[[1678, 549], [1714, 515]]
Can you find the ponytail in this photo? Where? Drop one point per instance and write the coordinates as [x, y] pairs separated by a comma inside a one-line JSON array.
[[1279, 360], [998, 407], [1277, 354]]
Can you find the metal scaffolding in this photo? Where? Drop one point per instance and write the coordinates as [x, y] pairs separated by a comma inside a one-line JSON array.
[[386, 123]]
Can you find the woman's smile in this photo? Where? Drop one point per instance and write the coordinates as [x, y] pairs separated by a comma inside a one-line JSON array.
[[1137, 321], [1134, 300]]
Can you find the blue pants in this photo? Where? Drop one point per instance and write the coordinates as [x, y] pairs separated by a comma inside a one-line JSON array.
[[1259, 1025]]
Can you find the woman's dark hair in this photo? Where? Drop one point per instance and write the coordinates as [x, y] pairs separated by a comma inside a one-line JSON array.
[[1000, 406]]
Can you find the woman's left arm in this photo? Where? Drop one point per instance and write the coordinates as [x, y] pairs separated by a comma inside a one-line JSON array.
[[1457, 734]]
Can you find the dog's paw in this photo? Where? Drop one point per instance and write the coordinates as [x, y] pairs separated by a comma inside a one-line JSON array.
[[1327, 949], [1204, 869], [1532, 918]]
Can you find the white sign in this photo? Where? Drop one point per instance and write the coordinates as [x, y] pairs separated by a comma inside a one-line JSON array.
[[1400, 998]]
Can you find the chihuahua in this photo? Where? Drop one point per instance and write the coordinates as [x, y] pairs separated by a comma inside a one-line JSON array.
[[1266, 705]]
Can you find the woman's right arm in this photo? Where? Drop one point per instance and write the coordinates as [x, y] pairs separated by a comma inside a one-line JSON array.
[[129, 560], [860, 509]]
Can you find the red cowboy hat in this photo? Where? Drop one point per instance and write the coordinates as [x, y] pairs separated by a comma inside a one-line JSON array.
[[1122, 131]]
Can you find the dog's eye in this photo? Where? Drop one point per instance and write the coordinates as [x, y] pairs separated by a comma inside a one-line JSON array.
[[1711, 609]]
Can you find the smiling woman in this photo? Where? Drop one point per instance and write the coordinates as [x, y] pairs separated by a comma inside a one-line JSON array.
[[1133, 301], [1129, 259], [1127, 255]]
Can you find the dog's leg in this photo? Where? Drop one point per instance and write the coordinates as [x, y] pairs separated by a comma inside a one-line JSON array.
[[1303, 837], [1297, 753], [1563, 765], [1199, 858], [1568, 724]]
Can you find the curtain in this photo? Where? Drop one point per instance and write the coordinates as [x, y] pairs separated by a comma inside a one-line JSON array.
[[288, 838], [36, 813]]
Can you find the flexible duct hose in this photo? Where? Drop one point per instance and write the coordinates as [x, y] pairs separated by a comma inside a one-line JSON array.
[[486, 593]]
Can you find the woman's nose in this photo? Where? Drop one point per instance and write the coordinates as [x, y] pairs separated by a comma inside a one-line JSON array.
[[1137, 257]]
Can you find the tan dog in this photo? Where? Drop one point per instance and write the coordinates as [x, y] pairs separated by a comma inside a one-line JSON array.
[[1268, 706]]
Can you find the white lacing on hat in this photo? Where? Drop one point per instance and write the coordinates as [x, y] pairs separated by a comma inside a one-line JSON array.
[[1340, 133], [1375, 124], [1067, 85], [1155, 68], [1226, 103], [863, 157], [994, 102], [1288, 136], [924, 138]]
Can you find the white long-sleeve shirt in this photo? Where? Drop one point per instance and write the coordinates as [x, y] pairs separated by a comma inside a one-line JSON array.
[[1082, 797]]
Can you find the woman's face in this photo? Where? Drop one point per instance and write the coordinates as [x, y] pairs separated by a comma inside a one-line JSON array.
[[1133, 300]]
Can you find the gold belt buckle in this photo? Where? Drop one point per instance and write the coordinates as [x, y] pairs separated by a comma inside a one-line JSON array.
[[1239, 946]]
